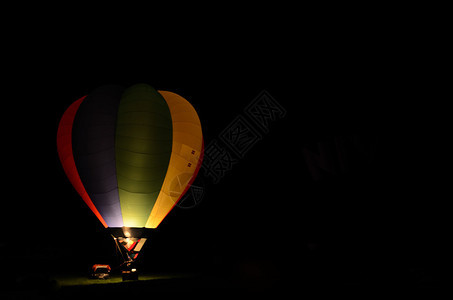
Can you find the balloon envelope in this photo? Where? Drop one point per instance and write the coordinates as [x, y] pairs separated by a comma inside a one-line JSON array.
[[130, 153]]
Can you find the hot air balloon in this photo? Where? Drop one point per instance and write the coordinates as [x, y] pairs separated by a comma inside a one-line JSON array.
[[131, 154]]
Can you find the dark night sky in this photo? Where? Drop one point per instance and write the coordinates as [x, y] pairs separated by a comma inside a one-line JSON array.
[[385, 216]]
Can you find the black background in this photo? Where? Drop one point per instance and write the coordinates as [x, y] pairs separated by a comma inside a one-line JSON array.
[[384, 222]]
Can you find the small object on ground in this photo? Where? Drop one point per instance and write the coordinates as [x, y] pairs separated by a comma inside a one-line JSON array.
[[100, 271]]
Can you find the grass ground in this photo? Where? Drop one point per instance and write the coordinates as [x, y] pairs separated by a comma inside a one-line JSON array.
[[79, 286], [74, 280]]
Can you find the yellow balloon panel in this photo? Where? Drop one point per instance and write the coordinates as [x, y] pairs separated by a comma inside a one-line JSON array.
[[186, 151]]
